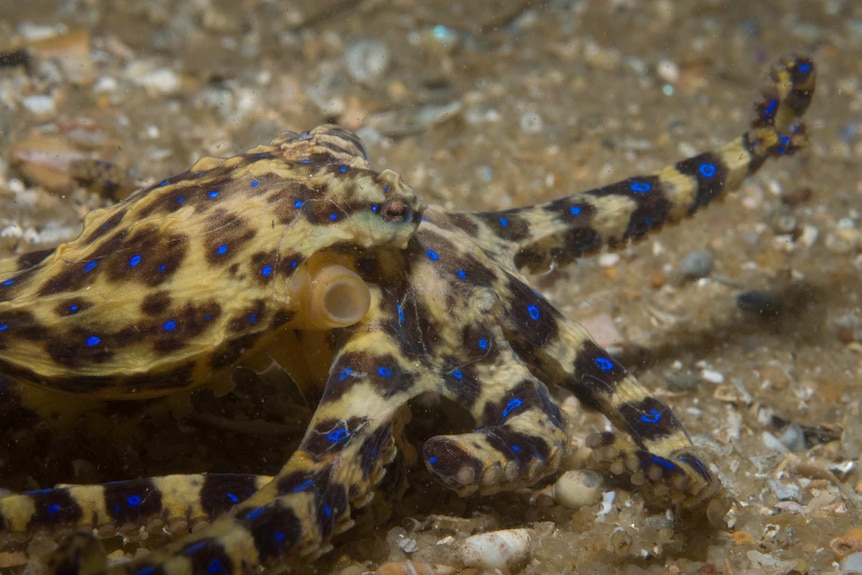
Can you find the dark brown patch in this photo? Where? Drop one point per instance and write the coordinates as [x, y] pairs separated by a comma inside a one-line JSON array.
[[711, 176], [77, 347], [331, 435], [276, 530], [373, 450], [54, 507], [519, 447], [231, 351], [230, 232], [262, 266], [649, 419], [530, 315], [462, 382], [19, 324], [221, 491], [156, 304], [461, 221], [176, 330], [445, 459], [132, 502], [285, 201], [652, 209], [596, 376], [250, 318], [508, 225]]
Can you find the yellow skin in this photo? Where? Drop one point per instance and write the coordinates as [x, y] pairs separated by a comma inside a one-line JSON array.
[[343, 275]]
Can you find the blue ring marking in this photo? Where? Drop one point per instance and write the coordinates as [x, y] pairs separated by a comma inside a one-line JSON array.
[[457, 374], [512, 406], [213, 194], [255, 513], [163, 183], [483, 343], [400, 313], [134, 260], [221, 250], [214, 567], [93, 340], [461, 274], [344, 373], [297, 204], [432, 460], [374, 208], [292, 264], [516, 448], [261, 154], [327, 510], [305, 161], [503, 221], [387, 188], [233, 498], [805, 67], [266, 271], [663, 462], [73, 308], [303, 486], [604, 363], [384, 371], [4, 326], [170, 325], [133, 500], [333, 216], [342, 169], [575, 210], [162, 267], [208, 317], [7, 283], [338, 435], [771, 107], [252, 317], [640, 187], [255, 184], [425, 219], [707, 170], [434, 256], [181, 199], [89, 267], [533, 311], [54, 508], [653, 416], [278, 536], [145, 571], [194, 547]]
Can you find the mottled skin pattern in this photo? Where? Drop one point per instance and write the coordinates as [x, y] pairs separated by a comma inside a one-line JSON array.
[[194, 274]]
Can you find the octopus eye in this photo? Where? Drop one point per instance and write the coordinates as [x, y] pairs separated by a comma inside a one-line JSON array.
[[396, 211]]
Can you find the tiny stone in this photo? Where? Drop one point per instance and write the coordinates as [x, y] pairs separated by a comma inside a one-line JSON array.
[[712, 376], [497, 549], [852, 564], [367, 60], [40, 105], [578, 488], [696, 264]]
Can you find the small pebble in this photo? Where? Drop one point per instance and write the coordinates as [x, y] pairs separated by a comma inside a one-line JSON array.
[[157, 82], [843, 240], [40, 105], [367, 60], [712, 376], [578, 488], [696, 264], [848, 543], [852, 564], [497, 549]]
